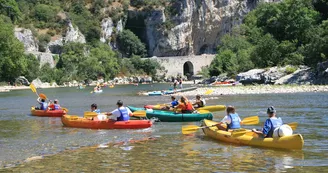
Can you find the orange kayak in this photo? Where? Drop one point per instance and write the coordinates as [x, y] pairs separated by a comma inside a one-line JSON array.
[[47, 113], [80, 122]]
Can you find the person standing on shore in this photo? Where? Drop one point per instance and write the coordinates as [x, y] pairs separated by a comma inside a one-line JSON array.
[[175, 84], [180, 82]]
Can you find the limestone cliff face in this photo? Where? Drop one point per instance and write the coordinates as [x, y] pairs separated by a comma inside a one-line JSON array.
[[26, 37], [195, 27]]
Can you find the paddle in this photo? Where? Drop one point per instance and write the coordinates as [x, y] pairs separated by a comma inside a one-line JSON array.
[[209, 91], [43, 96], [253, 120]]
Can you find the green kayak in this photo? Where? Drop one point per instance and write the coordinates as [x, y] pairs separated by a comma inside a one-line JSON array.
[[132, 108], [166, 116]]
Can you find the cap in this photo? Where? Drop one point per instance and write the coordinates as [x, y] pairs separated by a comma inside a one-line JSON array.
[[119, 102], [271, 109]]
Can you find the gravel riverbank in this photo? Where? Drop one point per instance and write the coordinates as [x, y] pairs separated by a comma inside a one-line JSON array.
[[255, 89]]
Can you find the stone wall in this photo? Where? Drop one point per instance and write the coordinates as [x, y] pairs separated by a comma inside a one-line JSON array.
[[174, 65]]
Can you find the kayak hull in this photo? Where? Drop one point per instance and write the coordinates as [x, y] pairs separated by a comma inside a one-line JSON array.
[[293, 142], [133, 109], [100, 91], [167, 116], [79, 122], [212, 108], [47, 113]]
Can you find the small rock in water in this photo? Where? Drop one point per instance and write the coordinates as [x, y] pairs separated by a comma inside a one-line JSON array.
[[33, 158], [127, 148], [102, 146]]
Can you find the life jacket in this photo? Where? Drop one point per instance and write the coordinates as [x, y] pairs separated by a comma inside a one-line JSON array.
[[52, 106], [56, 106], [204, 102], [174, 103], [235, 123], [44, 106], [97, 111], [186, 106], [124, 114], [275, 122]]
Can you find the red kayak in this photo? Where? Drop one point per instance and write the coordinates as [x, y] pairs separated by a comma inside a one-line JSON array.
[[80, 122], [47, 113]]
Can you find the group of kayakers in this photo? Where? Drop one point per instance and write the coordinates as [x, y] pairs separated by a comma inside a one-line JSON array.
[[48, 105], [185, 105], [233, 121]]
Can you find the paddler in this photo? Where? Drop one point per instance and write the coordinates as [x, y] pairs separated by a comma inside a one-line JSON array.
[[174, 103], [55, 105], [270, 124], [200, 102], [121, 113], [94, 108], [185, 105], [43, 104], [232, 120]]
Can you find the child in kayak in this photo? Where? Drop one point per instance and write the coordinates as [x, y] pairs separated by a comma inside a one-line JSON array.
[[270, 124], [185, 105], [94, 108], [199, 102], [121, 113], [54, 105], [174, 103], [232, 120]]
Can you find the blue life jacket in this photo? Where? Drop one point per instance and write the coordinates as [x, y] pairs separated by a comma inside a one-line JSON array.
[[44, 106], [235, 123], [124, 114], [97, 111], [174, 103], [57, 106], [275, 122]]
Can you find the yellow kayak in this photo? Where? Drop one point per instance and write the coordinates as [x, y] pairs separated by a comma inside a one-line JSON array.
[[293, 142], [212, 108]]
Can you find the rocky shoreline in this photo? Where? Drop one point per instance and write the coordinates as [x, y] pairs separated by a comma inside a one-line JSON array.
[[255, 89]]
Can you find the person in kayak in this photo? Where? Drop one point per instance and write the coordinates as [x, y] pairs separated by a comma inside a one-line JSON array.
[[94, 108], [185, 106], [121, 113], [43, 104], [174, 103], [54, 105], [270, 124], [232, 120], [200, 102]]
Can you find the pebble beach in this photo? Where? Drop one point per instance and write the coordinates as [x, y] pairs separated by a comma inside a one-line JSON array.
[[255, 89]]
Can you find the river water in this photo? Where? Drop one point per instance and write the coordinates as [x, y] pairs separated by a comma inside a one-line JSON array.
[[70, 150]]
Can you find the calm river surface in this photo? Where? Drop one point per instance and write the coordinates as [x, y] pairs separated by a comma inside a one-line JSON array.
[[23, 136]]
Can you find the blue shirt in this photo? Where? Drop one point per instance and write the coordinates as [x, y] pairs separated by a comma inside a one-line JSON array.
[[268, 126], [97, 111], [174, 103]]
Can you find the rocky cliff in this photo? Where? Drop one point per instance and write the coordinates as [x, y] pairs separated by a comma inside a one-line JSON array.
[[189, 26]]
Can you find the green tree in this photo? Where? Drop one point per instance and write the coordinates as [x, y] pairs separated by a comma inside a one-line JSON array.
[[32, 70], [45, 13], [10, 8], [129, 44], [11, 52]]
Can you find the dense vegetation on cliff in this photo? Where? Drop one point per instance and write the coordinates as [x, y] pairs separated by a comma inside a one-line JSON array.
[[48, 19], [293, 32]]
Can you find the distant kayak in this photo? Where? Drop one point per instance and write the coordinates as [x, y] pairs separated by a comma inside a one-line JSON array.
[[80, 122], [167, 92], [47, 113], [98, 91]]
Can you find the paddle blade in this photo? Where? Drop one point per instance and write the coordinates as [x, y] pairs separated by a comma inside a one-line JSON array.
[[251, 120], [88, 114], [139, 113], [43, 96], [33, 88], [189, 129], [208, 92], [293, 125], [239, 132]]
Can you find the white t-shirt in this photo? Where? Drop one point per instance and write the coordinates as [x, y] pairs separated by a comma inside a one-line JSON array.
[[227, 119], [116, 113]]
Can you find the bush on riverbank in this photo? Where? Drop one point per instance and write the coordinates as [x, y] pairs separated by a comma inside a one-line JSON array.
[[293, 32]]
